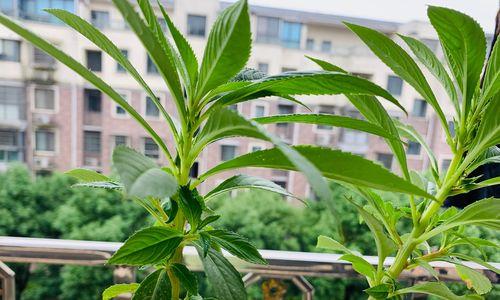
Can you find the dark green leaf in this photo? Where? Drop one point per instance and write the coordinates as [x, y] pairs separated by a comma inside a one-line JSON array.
[[221, 274], [118, 289], [237, 245], [189, 202], [380, 291], [154, 287], [186, 277], [205, 242], [147, 246], [207, 221]]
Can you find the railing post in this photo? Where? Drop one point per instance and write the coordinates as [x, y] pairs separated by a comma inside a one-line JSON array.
[[122, 274], [7, 283]]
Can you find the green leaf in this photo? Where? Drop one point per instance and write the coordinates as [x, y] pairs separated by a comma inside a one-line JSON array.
[[147, 246], [330, 120], [118, 289], [360, 265], [437, 289], [84, 73], [228, 47], [246, 181], [154, 287], [333, 164], [433, 64], [490, 156], [100, 185], [326, 65], [424, 264], [328, 243], [476, 186], [85, 175], [204, 242], [237, 245], [474, 279], [380, 291], [464, 46], [189, 202], [484, 212], [306, 83], [400, 62], [488, 134], [221, 274], [186, 277], [207, 220], [491, 84], [141, 176], [477, 261]]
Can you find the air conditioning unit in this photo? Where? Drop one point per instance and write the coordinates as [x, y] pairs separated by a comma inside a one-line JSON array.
[[41, 162], [42, 119], [323, 139]]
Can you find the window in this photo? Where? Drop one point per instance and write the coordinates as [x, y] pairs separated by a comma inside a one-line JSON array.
[[227, 152], [394, 85], [285, 109], [413, 148], [119, 111], [196, 25], [259, 111], [12, 103], [193, 172], [310, 44], [354, 137], [385, 159], [326, 46], [290, 34], [121, 140], [419, 108], [233, 107], [42, 58], [94, 60], [99, 19], [285, 69], [10, 146], [268, 30], [255, 148], [445, 164], [151, 108], [263, 67], [151, 67], [151, 149], [326, 109], [92, 141], [281, 183], [451, 126], [34, 9], [92, 99], [7, 7], [10, 50], [45, 140], [45, 99], [119, 67]]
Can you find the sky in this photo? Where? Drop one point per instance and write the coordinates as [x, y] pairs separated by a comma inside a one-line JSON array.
[[483, 11]]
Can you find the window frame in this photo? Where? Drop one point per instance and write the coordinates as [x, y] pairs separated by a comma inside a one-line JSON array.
[[54, 152], [144, 97], [188, 26], [400, 88], [17, 57], [227, 144], [95, 51], [32, 91]]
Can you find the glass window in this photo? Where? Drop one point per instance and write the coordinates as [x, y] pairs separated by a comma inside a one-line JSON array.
[[94, 60], [281, 183], [193, 172], [92, 99], [151, 149], [151, 108], [34, 9], [451, 126], [413, 148], [196, 25], [326, 109], [290, 34], [260, 111], [285, 109], [45, 98], [121, 140], [40, 57], [227, 152], [151, 67], [118, 109], [263, 67], [385, 159], [45, 140], [268, 30], [7, 7], [119, 67], [92, 141], [10, 146], [326, 46], [419, 108], [394, 85], [445, 164], [256, 148], [310, 44], [99, 19], [8, 138], [10, 50], [12, 103], [354, 137]]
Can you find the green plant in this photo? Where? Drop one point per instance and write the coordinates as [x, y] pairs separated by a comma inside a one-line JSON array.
[[476, 102], [202, 94]]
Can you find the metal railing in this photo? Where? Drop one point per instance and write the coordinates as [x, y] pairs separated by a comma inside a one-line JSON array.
[[294, 266]]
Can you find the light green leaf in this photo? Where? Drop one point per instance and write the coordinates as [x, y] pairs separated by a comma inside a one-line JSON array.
[[306, 83], [245, 181], [437, 289], [147, 246], [186, 277], [326, 65], [464, 46], [424, 264], [330, 120], [476, 186], [360, 265], [474, 279], [491, 84], [433, 64], [228, 47], [85, 175], [84, 73], [328, 243], [488, 134], [118, 289], [141, 176], [484, 212], [237, 245], [477, 261], [400, 62], [190, 203], [154, 287], [333, 164], [221, 274]]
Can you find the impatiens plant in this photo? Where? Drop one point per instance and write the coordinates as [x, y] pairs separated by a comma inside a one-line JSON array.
[[202, 93], [476, 120]]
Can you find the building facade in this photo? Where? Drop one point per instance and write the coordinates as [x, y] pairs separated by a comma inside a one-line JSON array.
[[51, 119]]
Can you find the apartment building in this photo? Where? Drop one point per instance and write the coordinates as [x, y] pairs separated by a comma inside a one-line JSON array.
[[53, 120]]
